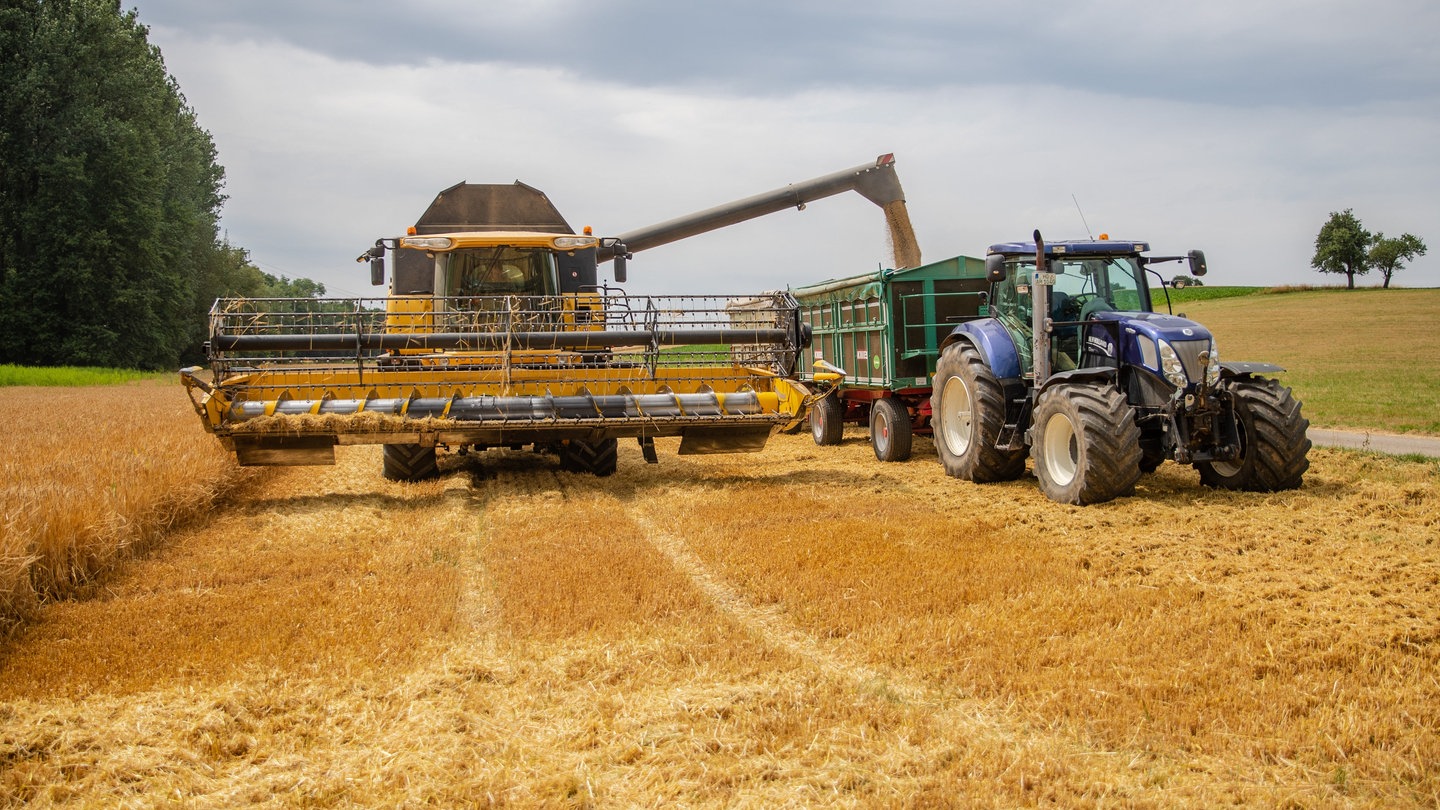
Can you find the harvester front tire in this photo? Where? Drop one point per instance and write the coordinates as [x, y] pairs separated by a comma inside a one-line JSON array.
[[967, 412], [596, 458], [1085, 445], [1274, 449], [409, 462], [890, 432], [827, 419]]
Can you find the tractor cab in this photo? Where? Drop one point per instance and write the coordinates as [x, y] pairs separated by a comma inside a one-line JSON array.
[[1079, 280]]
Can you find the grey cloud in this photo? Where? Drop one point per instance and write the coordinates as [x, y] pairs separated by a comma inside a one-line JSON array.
[[1324, 54]]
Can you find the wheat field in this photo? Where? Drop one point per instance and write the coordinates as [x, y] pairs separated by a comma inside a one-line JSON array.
[[800, 627]]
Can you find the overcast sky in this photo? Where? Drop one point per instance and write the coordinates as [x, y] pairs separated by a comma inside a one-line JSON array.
[[1234, 127]]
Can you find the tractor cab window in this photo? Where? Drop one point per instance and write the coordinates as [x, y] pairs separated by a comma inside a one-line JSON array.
[[499, 271], [1087, 285]]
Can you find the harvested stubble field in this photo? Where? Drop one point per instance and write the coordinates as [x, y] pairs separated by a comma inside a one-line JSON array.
[[805, 626]]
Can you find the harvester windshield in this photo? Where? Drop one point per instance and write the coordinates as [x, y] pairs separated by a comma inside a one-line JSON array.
[[500, 270]]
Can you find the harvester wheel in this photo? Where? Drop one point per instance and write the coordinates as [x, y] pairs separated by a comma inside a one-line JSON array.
[[1085, 443], [890, 429], [826, 419], [597, 458], [409, 462], [1273, 444], [967, 407]]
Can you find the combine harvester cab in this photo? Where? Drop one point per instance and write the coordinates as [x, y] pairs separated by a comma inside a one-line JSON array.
[[498, 333]]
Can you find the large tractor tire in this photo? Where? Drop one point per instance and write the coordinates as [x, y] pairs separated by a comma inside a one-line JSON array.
[[890, 432], [967, 412], [409, 462], [596, 458], [1085, 443], [1273, 446], [826, 419]]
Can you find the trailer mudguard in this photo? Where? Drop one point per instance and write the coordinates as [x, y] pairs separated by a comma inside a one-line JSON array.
[[993, 342]]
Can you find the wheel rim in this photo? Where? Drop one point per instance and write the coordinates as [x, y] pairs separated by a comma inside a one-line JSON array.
[[1061, 449], [957, 421], [882, 429], [1230, 469]]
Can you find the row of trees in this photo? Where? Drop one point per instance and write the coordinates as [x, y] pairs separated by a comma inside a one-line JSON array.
[[1344, 246], [110, 197]]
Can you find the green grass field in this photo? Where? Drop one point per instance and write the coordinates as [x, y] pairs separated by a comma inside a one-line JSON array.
[[70, 376], [1364, 359]]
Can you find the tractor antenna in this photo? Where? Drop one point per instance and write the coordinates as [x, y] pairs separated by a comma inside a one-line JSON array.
[[1082, 218]]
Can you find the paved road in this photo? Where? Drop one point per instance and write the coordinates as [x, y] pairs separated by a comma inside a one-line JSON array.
[[1392, 443]]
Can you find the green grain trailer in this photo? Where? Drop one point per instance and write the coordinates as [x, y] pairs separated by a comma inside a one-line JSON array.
[[884, 330]]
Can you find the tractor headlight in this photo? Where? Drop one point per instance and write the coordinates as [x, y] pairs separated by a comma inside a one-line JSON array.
[[1170, 365], [1211, 359]]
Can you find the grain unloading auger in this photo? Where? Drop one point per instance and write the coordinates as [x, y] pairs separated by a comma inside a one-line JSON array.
[[497, 333]]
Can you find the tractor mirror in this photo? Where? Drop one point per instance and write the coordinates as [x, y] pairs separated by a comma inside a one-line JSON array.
[[1197, 263], [377, 270], [995, 268], [620, 257]]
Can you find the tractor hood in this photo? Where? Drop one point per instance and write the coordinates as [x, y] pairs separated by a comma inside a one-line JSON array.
[[1144, 337]]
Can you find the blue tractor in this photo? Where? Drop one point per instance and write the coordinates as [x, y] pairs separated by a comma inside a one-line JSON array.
[[1070, 365]]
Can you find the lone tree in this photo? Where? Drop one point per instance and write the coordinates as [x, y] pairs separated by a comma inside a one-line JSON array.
[[1342, 246], [1388, 255]]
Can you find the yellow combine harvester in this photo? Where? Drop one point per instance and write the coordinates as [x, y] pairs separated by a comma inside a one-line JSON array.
[[498, 333]]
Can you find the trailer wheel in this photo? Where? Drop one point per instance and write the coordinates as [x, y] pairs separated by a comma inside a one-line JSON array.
[[826, 423], [1273, 446], [890, 429], [1086, 445], [596, 458], [967, 407], [409, 462]]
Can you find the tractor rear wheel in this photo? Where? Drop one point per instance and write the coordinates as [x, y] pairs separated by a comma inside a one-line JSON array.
[[890, 433], [1273, 444], [826, 419], [409, 462], [596, 458], [1086, 445], [967, 407]]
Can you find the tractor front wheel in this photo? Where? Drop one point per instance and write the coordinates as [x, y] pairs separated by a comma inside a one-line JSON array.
[[890, 432], [967, 407], [1085, 444], [1273, 446]]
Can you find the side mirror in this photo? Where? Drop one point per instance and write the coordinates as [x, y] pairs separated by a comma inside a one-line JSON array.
[[995, 268], [620, 256], [1197, 263], [377, 264]]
